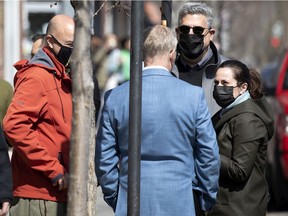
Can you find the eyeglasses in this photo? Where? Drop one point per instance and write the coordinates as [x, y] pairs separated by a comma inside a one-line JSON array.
[[197, 30]]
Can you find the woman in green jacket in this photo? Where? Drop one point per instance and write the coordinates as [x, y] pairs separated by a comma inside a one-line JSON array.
[[243, 126]]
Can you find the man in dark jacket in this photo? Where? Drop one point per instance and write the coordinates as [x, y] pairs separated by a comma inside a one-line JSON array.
[[198, 56], [5, 177]]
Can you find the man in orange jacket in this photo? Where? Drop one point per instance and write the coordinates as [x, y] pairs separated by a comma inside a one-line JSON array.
[[38, 125]]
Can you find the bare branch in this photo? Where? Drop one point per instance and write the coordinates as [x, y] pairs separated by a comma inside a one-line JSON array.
[[125, 8], [118, 4], [96, 13]]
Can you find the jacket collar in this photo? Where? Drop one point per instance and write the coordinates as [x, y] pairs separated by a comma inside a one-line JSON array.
[[230, 113], [259, 106], [240, 99], [156, 70], [60, 69], [46, 59], [212, 67]]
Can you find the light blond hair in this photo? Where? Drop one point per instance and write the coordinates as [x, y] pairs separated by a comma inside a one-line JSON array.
[[158, 41]]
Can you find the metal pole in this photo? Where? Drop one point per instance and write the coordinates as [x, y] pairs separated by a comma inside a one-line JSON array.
[[166, 14], [135, 109]]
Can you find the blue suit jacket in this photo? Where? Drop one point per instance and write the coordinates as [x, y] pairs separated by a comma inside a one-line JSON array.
[[178, 149]]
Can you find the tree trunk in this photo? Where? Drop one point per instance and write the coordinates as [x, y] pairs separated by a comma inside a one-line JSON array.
[[83, 124], [92, 182]]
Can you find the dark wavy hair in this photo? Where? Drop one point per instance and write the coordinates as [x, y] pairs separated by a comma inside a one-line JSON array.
[[256, 84], [245, 75]]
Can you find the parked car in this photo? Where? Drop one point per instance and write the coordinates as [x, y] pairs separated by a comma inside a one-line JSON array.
[[275, 77]]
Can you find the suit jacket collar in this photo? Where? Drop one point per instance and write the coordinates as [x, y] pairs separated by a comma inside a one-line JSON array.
[[160, 71]]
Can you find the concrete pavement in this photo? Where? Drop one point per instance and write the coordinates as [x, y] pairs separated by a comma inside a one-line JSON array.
[[104, 210]]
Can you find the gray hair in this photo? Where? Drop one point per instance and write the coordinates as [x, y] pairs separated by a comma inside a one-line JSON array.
[[196, 8], [158, 40]]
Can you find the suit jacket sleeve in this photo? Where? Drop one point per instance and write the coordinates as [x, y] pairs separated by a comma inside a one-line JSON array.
[[106, 157], [207, 159]]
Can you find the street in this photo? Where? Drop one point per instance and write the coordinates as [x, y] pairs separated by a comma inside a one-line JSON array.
[[104, 210]]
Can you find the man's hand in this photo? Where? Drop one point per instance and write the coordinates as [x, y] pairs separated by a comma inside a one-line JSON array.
[[5, 208], [62, 183]]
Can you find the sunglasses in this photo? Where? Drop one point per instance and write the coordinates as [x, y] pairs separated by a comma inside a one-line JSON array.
[[197, 30]]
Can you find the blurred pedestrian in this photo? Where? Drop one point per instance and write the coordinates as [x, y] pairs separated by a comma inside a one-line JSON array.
[[5, 177], [152, 13], [124, 67], [6, 95], [198, 56], [244, 126], [38, 125], [96, 67], [106, 61], [111, 44], [178, 143], [38, 41]]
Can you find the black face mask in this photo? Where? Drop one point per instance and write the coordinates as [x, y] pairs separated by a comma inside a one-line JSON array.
[[64, 55], [190, 45], [223, 95]]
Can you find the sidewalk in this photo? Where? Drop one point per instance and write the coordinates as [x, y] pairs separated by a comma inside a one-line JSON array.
[[102, 209]]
